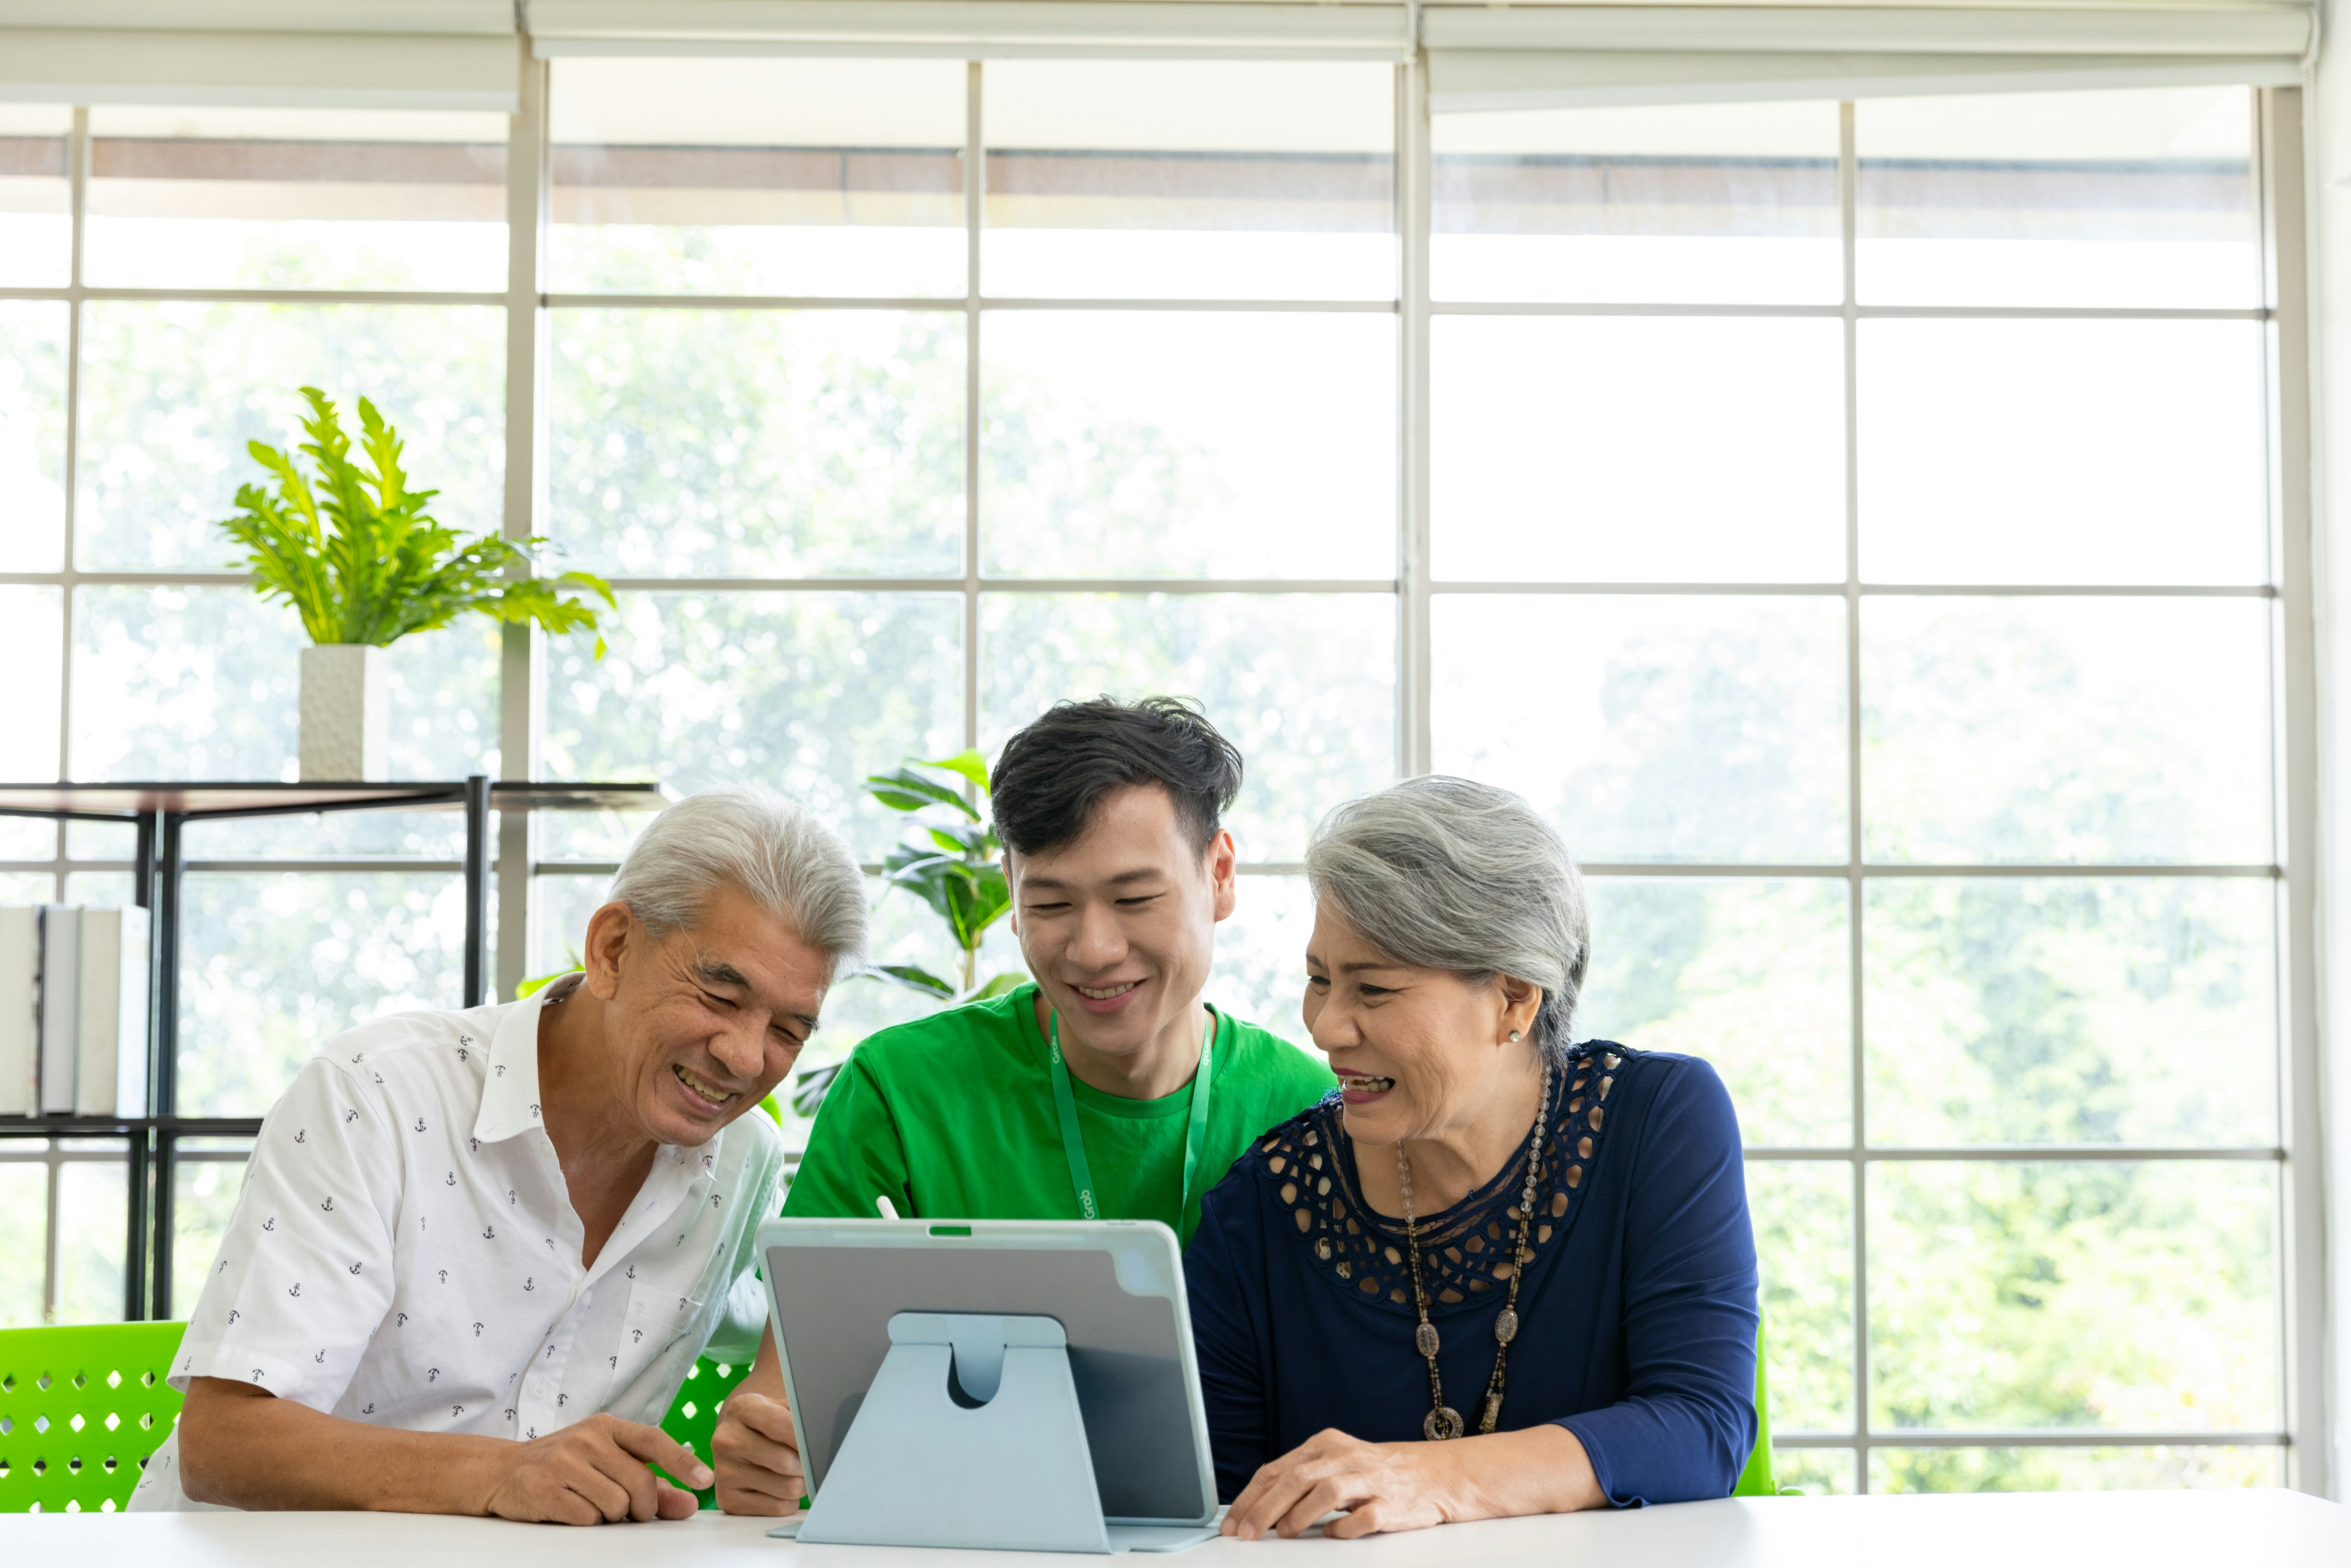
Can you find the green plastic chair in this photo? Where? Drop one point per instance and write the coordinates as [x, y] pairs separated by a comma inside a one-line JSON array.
[[694, 1415], [81, 1408], [1756, 1479]]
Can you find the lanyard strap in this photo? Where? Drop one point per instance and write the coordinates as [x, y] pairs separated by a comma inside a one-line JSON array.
[[1074, 1142]]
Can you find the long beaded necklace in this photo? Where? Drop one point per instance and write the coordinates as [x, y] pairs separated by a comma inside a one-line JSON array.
[[1443, 1422]]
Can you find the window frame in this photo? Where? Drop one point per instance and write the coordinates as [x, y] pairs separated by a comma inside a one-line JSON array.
[[2303, 1435]]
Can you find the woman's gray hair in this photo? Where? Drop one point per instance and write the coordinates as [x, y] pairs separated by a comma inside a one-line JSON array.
[[1444, 873], [741, 837]]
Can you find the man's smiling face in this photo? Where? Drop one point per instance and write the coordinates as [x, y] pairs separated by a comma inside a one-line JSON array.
[[704, 1022], [1119, 924]]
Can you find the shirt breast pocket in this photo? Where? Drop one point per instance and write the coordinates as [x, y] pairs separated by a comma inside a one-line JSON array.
[[660, 1311]]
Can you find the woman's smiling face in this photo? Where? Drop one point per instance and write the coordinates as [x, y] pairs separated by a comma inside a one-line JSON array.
[[1419, 1053]]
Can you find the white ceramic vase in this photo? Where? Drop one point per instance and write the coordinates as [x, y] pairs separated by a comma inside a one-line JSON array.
[[346, 714]]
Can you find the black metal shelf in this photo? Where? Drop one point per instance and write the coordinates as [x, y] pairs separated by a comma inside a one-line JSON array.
[[132, 802], [161, 810], [124, 1126]]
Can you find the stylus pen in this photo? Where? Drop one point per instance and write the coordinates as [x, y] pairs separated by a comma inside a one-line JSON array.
[[889, 1210]]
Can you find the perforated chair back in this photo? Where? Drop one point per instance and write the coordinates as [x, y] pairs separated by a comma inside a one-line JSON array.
[[81, 1408], [1757, 1479], [695, 1414]]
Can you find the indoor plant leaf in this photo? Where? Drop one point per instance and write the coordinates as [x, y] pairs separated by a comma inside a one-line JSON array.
[[970, 764], [360, 559], [915, 980], [905, 791]]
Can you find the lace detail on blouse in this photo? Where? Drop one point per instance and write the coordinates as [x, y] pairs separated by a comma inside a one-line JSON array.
[[1465, 1251]]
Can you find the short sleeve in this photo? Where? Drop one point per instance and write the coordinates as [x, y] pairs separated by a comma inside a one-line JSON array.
[[854, 1155], [303, 1275]]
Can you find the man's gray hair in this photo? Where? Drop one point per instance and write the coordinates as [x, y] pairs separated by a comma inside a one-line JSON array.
[[742, 837], [1444, 873]]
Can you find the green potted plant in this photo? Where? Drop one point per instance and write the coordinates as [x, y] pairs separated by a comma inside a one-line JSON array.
[[953, 863], [365, 565]]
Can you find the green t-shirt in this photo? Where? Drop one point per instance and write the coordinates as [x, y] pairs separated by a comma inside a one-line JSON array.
[[952, 1118]]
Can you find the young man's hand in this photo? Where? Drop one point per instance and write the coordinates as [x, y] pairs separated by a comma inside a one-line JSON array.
[[759, 1455], [594, 1473], [756, 1447]]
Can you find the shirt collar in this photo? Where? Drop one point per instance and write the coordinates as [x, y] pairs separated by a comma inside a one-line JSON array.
[[510, 1087]]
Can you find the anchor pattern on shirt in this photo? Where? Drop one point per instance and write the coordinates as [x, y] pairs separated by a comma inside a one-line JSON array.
[[320, 1254]]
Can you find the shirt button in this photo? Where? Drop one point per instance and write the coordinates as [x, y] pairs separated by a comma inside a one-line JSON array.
[[539, 1390]]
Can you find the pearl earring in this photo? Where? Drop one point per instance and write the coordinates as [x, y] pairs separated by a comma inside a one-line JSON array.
[[1514, 1037]]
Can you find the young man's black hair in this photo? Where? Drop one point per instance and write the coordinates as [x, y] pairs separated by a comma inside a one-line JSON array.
[[1052, 775]]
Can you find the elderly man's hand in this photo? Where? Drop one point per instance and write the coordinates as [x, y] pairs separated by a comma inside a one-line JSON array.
[[759, 1455], [595, 1472]]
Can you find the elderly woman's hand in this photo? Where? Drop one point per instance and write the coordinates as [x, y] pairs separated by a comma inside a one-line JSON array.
[[1411, 1485]]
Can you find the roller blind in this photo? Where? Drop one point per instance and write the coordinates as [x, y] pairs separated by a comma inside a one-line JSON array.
[[1542, 56], [1471, 79], [300, 70], [459, 54], [2024, 29], [354, 54], [967, 27], [1521, 56], [488, 17]]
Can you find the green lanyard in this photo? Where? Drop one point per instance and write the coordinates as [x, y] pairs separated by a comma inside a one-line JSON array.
[[1073, 1143]]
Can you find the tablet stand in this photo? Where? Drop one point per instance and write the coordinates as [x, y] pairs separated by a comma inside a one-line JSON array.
[[970, 1436]]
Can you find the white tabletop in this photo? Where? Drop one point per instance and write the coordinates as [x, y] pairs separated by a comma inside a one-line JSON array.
[[2024, 1529]]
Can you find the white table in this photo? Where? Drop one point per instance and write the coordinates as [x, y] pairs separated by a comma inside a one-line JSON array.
[[2076, 1530]]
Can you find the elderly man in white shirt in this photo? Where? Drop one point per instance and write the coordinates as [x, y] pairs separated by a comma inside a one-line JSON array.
[[477, 1252]]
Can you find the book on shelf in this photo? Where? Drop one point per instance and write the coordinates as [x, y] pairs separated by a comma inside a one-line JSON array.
[[111, 1018], [20, 1018], [73, 1011], [60, 1007]]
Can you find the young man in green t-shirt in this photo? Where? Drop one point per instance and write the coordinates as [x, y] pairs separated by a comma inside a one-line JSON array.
[[1105, 1087]]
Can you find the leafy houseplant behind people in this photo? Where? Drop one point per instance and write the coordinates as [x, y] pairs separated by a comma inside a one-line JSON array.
[[363, 564], [955, 867]]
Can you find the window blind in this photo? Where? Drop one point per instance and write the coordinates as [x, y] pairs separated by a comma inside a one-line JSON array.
[[1548, 56], [261, 70], [1000, 27]]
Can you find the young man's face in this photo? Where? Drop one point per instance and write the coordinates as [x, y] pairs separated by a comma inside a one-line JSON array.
[[1119, 924]]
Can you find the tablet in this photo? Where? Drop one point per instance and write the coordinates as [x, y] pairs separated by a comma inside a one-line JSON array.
[[1115, 1286]]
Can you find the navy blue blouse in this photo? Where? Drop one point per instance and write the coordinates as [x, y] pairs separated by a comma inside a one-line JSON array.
[[1637, 1312]]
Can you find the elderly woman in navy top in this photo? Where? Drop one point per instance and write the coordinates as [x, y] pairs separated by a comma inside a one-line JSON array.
[[1498, 1273]]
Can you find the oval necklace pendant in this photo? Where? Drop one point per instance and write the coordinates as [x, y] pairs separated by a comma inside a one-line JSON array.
[[1506, 1327], [1424, 1339], [1441, 1425]]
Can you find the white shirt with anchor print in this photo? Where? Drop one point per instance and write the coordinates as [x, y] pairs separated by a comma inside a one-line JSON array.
[[405, 1251]]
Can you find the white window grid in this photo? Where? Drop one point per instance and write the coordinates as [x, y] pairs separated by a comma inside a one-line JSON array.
[[2277, 172]]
